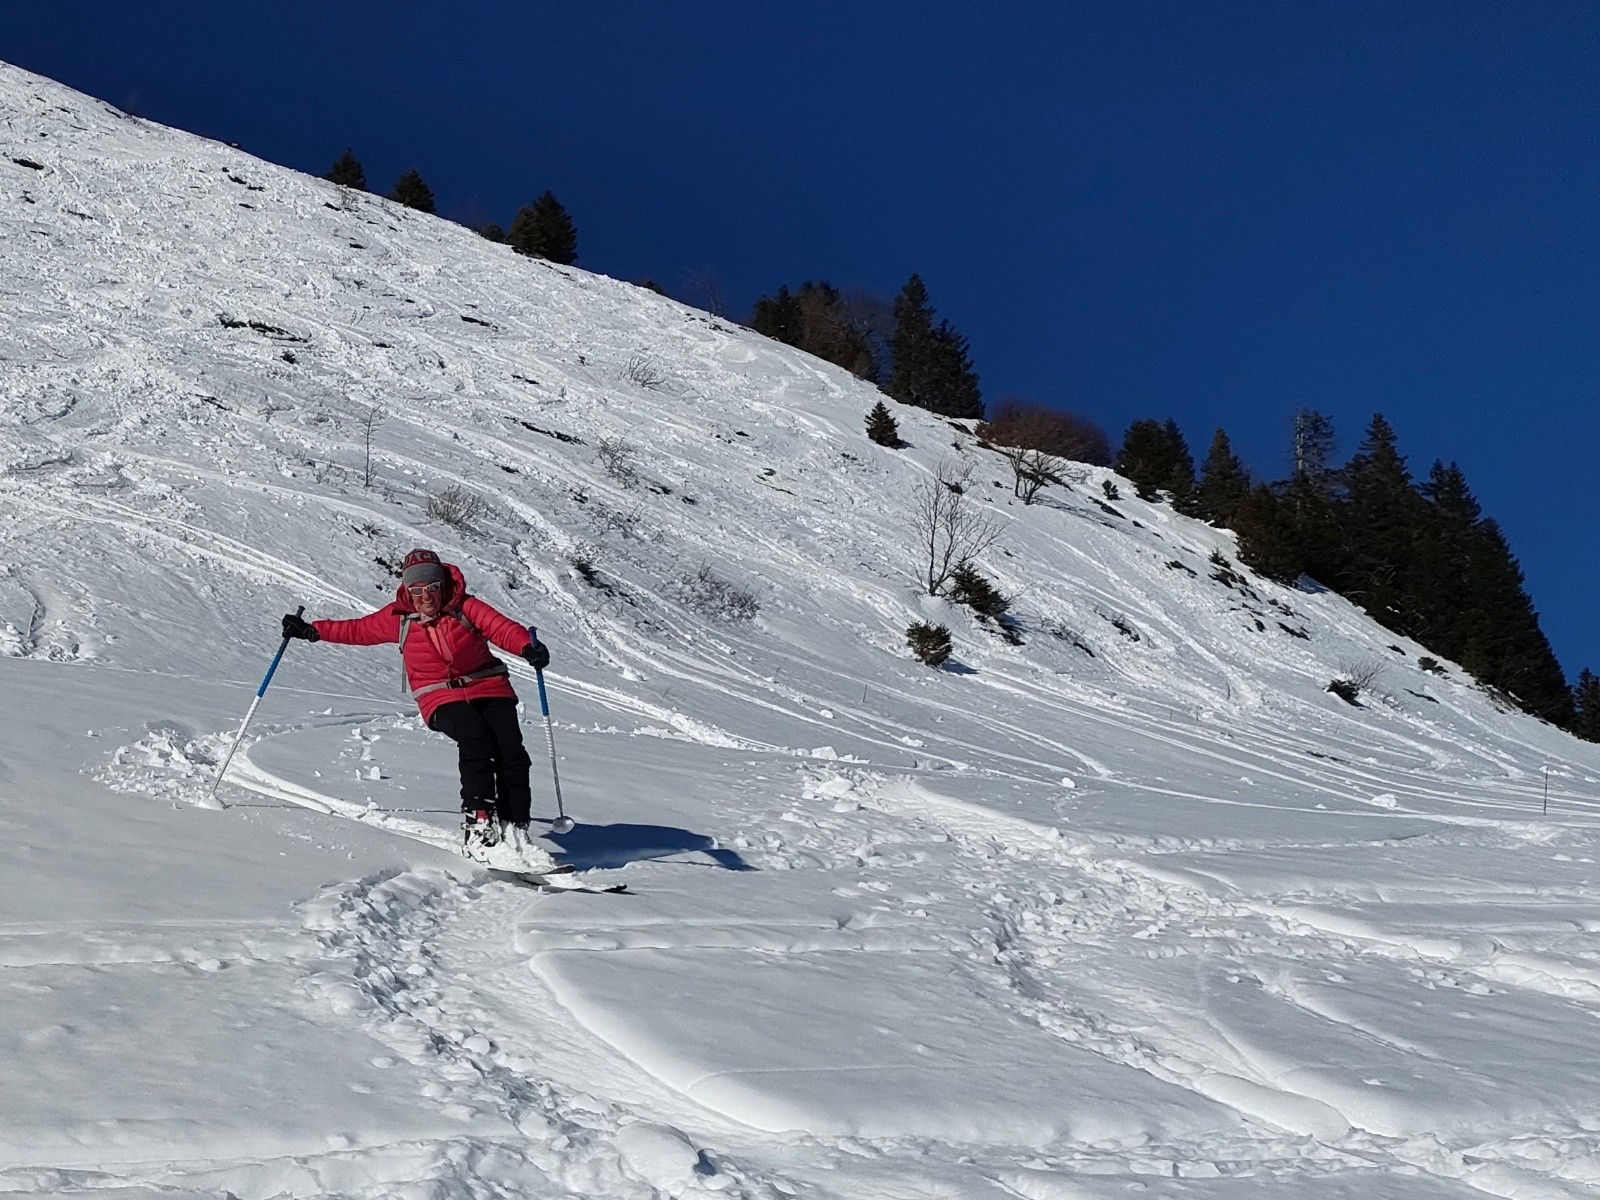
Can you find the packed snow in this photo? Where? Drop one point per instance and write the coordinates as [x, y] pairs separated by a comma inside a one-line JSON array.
[[1135, 905]]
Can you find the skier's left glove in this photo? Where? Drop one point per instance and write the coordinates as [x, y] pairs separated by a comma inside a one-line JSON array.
[[538, 655], [295, 627]]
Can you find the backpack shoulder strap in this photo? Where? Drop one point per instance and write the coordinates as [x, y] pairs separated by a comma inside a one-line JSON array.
[[406, 620]]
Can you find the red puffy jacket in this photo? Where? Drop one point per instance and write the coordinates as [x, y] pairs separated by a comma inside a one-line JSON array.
[[443, 650]]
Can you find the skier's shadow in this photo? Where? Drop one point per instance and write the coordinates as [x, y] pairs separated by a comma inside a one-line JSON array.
[[592, 847]]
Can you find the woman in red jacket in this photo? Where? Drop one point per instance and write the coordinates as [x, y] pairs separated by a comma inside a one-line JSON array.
[[463, 690]]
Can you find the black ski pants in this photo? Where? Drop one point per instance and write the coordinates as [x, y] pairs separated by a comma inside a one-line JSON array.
[[494, 763]]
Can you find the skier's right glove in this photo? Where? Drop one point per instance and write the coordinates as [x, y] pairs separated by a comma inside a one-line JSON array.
[[294, 627], [538, 655]]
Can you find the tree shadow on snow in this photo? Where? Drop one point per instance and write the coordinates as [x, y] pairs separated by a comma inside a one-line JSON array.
[[590, 847]]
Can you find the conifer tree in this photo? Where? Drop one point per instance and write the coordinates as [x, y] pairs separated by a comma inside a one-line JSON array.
[[778, 317], [882, 427], [413, 192], [930, 364], [544, 229], [1443, 558], [1179, 484], [1384, 521], [1504, 646], [1156, 457], [819, 320], [493, 233], [1224, 483], [1267, 542], [1310, 497], [347, 172], [1586, 707]]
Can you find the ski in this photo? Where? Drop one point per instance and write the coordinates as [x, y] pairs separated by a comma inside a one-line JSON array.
[[545, 881]]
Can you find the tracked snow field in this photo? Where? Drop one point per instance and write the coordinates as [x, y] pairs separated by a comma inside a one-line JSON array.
[[1125, 902]]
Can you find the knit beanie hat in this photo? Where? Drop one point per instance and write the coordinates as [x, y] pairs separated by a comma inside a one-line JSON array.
[[421, 566]]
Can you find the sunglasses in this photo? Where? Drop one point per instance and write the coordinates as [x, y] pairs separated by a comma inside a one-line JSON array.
[[425, 589]]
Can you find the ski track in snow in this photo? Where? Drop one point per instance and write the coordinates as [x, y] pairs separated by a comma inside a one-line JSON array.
[[1272, 943]]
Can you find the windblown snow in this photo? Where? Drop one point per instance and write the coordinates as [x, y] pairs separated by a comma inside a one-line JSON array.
[[1125, 903]]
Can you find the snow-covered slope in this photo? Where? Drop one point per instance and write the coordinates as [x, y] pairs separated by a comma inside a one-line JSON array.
[[1133, 904]]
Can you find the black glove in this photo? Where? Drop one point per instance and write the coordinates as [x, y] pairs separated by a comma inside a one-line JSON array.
[[538, 655], [294, 627]]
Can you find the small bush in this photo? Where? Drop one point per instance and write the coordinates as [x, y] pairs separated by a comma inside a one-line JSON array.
[[1430, 665], [882, 428], [1063, 632], [643, 371], [1110, 489], [583, 558], [1224, 573], [1363, 673], [969, 586], [930, 643], [456, 507], [623, 521], [712, 596], [1346, 689], [616, 457]]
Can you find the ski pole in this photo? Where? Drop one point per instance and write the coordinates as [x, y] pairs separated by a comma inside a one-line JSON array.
[[562, 823], [260, 692]]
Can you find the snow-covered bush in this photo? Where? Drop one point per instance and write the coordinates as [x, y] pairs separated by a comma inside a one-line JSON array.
[[1346, 689], [930, 643], [616, 456], [643, 371], [456, 507], [969, 586], [712, 596]]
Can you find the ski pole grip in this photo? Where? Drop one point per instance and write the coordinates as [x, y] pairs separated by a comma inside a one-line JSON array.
[[276, 659], [544, 703]]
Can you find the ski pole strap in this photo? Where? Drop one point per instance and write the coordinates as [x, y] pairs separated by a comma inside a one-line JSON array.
[[461, 681], [276, 659]]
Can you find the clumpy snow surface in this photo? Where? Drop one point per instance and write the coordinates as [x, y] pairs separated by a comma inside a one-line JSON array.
[[1120, 901]]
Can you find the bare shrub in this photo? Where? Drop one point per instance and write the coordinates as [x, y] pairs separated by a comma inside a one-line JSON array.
[[370, 420], [950, 527], [643, 371], [1430, 665], [703, 288], [1063, 632], [1031, 470], [1363, 672], [616, 457], [457, 507], [1029, 425], [622, 521], [712, 596]]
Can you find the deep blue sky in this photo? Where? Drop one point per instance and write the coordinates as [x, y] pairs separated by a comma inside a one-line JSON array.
[[1215, 211]]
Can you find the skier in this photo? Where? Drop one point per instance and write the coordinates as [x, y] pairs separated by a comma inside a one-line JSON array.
[[463, 690]]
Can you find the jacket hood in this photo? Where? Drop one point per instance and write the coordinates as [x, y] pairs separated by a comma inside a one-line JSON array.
[[455, 591]]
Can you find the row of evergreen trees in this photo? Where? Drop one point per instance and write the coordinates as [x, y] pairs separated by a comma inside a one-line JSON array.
[[1421, 559], [902, 346], [542, 229]]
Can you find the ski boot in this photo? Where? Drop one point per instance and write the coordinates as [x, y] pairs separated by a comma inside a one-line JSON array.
[[480, 830]]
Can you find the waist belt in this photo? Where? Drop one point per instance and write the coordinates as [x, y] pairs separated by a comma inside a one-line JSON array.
[[461, 681]]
